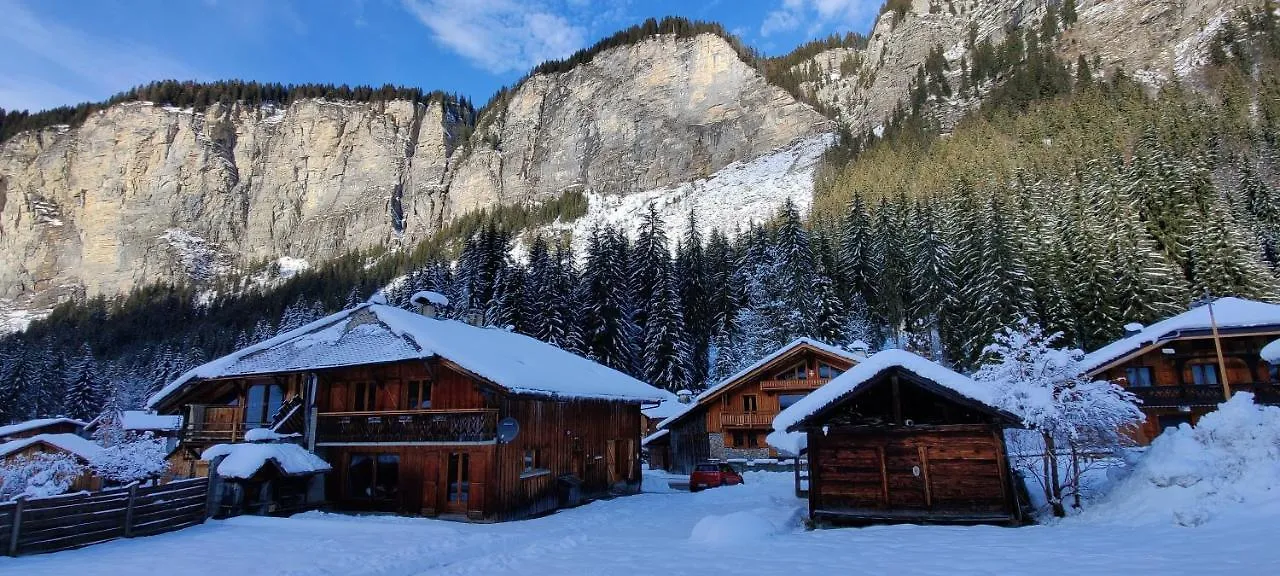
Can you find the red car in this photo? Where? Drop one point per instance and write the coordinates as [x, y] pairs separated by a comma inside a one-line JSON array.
[[712, 475]]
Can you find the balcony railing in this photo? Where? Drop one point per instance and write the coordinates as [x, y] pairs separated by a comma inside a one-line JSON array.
[[808, 385], [747, 419], [407, 426], [205, 423], [1203, 395]]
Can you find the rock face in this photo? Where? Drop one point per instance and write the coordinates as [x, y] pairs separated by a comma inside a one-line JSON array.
[[1155, 40], [142, 193], [656, 113]]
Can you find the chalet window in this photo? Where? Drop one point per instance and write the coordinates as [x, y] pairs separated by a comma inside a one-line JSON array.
[[796, 372], [261, 403], [786, 400], [1204, 374], [738, 440], [1139, 376], [1273, 373], [753, 440], [828, 371], [749, 403], [459, 477], [366, 394], [418, 394], [373, 477]]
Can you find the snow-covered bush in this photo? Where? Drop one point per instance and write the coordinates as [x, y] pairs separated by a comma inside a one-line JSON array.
[[1228, 463], [38, 475], [138, 458], [1047, 387]]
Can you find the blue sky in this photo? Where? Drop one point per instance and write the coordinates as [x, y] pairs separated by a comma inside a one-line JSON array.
[[66, 51]]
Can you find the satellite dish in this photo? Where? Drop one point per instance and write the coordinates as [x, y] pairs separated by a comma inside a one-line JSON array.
[[508, 429]]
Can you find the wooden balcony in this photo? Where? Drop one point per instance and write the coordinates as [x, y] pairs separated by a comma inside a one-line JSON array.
[[207, 424], [1206, 395], [418, 426], [808, 385], [746, 419]]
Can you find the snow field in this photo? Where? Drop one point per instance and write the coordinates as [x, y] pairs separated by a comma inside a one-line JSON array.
[[671, 534]]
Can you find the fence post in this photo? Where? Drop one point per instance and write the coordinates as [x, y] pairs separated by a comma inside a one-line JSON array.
[[128, 511], [210, 502], [16, 526]]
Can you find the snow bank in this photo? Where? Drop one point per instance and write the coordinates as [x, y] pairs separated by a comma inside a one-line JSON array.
[[1229, 464], [245, 460], [735, 528]]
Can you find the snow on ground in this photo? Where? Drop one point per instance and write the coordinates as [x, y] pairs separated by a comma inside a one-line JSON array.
[[742, 192], [751, 529], [14, 319]]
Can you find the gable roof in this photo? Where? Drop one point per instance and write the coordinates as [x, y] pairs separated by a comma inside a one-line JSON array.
[[938, 378], [376, 333], [244, 460], [29, 425], [728, 383], [71, 443], [1229, 313], [669, 406]]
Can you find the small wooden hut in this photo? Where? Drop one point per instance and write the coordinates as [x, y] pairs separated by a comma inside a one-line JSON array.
[[899, 438]]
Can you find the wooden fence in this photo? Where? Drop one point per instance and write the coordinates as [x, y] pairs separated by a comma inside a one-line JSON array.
[[65, 522]]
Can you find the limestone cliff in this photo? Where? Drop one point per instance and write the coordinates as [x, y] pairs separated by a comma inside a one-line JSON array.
[[141, 193], [1155, 40]]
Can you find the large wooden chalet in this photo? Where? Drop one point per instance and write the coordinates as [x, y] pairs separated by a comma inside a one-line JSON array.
[[732, 418], [424, 416], [899, 438], [1172, 365]]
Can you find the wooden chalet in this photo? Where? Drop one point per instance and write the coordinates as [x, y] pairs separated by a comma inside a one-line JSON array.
[[425, 416], [899, 438], [732, 418], [1172, 365], [41, 426], [83, 450]]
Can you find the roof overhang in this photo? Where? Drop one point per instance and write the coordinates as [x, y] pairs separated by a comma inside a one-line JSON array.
[[1192, 334]]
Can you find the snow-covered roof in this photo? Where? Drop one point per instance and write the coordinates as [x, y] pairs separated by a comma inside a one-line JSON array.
[[1271, 352], [428, 296], [788, 443], [69, 442], [29, 425], [245, 460], [670, 406], [656, 435], [375, 333], [1229, 313], [783, 351], [867, 370]]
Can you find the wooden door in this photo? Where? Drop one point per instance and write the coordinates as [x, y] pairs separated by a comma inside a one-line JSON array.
[[904, 474], [457, 481], [611, 462], [432, 487]]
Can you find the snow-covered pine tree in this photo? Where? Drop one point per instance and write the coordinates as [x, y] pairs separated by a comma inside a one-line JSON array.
[[1089, 291], [857, 270], [691, 276], [293, 317], [537, 299], [1225, 261], [892, 270], [793, 254], [1147, 285], [930, 270], [607, 329], [665, 361], [83, 393], [649, 265]]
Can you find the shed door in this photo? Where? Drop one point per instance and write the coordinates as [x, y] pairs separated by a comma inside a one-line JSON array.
[[906, 475]]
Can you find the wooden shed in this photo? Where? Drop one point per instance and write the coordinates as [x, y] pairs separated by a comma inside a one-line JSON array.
[[899, 438]]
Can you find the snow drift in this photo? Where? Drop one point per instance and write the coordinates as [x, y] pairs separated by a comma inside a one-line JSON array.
[[1229, 464]]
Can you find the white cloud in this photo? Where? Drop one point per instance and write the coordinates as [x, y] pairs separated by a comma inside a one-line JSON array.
[[502, 35], [47, 64], [814, 15]]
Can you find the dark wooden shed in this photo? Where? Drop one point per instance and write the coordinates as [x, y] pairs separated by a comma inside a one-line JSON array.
[[901, 439]]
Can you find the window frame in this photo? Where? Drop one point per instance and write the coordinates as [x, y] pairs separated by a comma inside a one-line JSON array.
[[531, 463], [1205, 368], [1150, 372], [753, 400], [789, 373], [832, 371], [414, 392], [364, 396]]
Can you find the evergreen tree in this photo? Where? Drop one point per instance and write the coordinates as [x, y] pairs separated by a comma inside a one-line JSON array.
[[691, 275], [607, 329], [650, 264], [83, 395], [857, 268], [666, 351], [1225, 262]]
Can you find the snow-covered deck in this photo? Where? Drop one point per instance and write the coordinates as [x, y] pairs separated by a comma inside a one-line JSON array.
[[751, 530]]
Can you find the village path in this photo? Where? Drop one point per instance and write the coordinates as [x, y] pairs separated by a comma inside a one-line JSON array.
[[751, 529]]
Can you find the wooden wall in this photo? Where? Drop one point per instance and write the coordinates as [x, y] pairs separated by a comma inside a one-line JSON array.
[[731, 400], [422, 478], [1240, 352], [450, 390], [596, 441], [689, 443]]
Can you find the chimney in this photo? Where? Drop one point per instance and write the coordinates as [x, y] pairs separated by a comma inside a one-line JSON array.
[[684, 396], [429, 303], [1133, 328]]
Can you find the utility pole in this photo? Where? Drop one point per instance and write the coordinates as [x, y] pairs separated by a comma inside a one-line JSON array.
[[1217, 344]]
